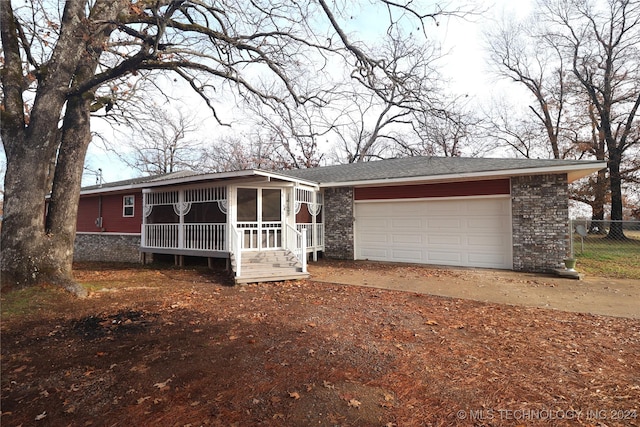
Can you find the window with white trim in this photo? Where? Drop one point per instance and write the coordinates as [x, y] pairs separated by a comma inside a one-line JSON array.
[[128, 204]]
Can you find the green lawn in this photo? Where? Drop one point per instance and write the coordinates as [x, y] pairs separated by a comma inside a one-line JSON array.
[[603, 257]]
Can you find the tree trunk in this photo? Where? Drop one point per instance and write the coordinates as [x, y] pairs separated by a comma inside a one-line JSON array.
[[25, 246], [616, 231], [65, 195], [32, 254], [599, 201]]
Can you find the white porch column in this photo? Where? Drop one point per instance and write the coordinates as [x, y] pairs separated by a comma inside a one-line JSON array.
[[181, 211]]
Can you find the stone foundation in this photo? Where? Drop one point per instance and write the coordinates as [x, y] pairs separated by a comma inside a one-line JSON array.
[[107, 247]]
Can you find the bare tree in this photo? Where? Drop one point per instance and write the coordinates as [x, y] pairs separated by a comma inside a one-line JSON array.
[[520, 52], [601, 40], [376, 123], [582, 56], [507, 127], [161, 142], [63, 59], [292, 134], [449, 129], [233, 153]]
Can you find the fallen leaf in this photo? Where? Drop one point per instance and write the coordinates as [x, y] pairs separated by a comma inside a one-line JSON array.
[[327, 384], [142, 399], [353, 403], [431, 322], [162, 385], [41, 416], [294, 395]]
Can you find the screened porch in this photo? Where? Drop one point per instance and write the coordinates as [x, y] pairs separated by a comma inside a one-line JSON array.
[[218, 221]]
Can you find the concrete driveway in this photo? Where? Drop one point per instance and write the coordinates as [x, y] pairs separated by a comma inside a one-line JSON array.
[[595, 295]]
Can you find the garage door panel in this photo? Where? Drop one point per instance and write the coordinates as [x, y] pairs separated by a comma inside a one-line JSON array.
[[414, 238], [441, 257], [372, 223], [373, 239], [485, 223], [379, 254], [485, 259], [407, 256], [485, 240], [474, 232], [444, 223], [444, 240], [412, 223]]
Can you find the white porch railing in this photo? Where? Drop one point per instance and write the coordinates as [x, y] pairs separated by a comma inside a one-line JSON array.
[[210, 237], [314, 234], [267, 235], [297, 244], [161, 236], [207, 237]]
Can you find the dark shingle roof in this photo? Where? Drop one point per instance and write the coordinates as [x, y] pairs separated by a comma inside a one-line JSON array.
[[140, 180], [410, 167]]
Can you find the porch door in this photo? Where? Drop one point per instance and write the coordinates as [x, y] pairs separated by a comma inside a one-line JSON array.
[[260, 218]]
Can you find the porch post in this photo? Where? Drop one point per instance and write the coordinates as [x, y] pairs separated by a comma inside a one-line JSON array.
[[314, 228], [143, 227], [181, 216]]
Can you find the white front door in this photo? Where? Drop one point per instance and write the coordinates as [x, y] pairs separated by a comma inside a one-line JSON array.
[[259, 218]]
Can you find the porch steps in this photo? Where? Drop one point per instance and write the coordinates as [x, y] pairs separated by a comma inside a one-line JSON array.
[[268, 266]]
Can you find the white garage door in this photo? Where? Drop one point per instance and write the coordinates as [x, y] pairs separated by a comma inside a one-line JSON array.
[[460, 232]]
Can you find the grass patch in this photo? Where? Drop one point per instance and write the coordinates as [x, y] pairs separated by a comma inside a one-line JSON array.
[[25, 302], [609, 258]]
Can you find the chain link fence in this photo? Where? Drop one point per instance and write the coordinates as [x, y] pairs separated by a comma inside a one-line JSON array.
[[610, 253]]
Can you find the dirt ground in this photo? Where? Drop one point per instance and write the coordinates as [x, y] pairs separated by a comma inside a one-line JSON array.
[[181, 347]]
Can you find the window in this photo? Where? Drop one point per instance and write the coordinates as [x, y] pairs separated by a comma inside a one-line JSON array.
[[128, 203]]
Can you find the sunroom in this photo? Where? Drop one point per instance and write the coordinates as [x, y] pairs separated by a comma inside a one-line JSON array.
[[265, 225]]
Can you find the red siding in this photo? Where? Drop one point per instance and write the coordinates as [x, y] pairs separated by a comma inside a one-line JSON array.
[[448, 189], [87, 214], [112, 219]]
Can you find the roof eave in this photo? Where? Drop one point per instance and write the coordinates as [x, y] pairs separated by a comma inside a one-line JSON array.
[[574, 172], [199, 178]]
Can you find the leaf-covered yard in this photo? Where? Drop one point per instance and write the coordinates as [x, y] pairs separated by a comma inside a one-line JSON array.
[[182, 347]]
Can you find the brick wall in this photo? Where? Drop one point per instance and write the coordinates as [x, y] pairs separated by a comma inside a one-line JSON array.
[[540, 218], [107, 247], [338, 227]]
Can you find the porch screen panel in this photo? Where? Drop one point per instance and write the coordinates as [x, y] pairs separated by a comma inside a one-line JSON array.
[[163, 214], [205, 213], [271, 205], [247, 204]]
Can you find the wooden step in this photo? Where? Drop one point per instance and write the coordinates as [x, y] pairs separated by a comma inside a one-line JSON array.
[[268, 266]]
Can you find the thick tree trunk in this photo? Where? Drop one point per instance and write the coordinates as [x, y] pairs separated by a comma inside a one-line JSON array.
[[616, 231], [32, 254], [599, 201], [25, 246], [63, 204]]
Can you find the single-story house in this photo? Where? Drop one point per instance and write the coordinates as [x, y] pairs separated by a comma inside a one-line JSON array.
[[472, 212]]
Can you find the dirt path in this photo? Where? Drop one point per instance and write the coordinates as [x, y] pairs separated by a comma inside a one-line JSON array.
[[610, 297]]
